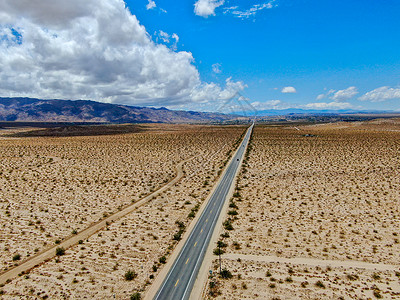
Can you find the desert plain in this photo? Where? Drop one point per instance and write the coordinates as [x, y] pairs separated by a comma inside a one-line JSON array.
[[52, 188], [315, 215]]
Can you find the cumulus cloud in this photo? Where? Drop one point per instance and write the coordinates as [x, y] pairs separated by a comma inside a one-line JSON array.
[[252, 11], [345, 94], [381, 94], [216, 68], [93, 49], [205, 8], [213, 91], [328, 105], [288, 89], [151, 5]]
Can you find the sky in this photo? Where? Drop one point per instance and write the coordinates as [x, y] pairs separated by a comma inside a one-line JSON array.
[[195, 54]]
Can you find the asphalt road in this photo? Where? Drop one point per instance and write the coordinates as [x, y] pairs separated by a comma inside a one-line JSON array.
[[180, 279]]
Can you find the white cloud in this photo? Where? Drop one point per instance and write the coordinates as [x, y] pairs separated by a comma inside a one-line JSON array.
[[252, 11], [166, 39], [381, 94], [212, 91], [205, 8], [164, 36], [328, 105], [230, 9], [93, 49], [151, 5], [175, 44], [320, 96], [345, 94], [270, 104], [216, 68], [288, 89]]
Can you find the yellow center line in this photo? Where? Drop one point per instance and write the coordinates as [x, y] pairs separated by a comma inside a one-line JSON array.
[[176, 282], [201, 231], [187, 261], [195, 244], [211, 212], [206, 220]]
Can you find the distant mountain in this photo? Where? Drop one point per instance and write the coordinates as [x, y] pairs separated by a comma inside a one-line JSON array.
[[299, 111], [38, 110]]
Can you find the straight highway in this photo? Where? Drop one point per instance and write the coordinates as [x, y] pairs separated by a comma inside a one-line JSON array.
[[181, 277]]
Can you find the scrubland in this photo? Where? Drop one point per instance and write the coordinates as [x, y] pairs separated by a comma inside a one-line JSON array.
[[325, 193], [51, 188]]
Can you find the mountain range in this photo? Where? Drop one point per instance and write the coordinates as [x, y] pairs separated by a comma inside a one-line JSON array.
[[39, 110]]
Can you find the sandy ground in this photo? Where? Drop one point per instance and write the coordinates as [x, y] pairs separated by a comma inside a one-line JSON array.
[[88, 178], [332, 195]]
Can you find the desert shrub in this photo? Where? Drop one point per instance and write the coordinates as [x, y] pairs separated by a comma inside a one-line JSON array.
[[218, 251], [225, 234], [221, 244], [376, 276], [232, 212], [228, 225], [352, 277], [162, 259], [180, 224], [178, 236], [377, 294], [232, 205], [130, 275], [226, 274], [136, 296], [60, 251], [16, 257]]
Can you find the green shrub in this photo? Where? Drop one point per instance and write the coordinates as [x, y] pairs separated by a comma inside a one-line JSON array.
[[218, 251], [226, 274], [136, 296], [228, 225], [221, 244], [162, 259], [130, 275], [60, 251]]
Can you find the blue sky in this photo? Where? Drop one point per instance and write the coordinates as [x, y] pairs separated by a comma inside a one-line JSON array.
[[314, 46], [194, 54]]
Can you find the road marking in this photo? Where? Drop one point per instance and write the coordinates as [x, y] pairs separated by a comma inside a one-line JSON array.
[[214, 203], [187, 261], [211, 212], [201, 230], [206, 220], [195, 244], [176, 282]]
